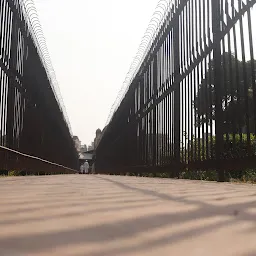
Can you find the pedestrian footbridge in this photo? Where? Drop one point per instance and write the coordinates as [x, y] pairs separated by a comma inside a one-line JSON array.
[[99, 215]]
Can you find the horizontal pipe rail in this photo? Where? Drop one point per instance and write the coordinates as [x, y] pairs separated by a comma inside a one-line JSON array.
[[13, 160]]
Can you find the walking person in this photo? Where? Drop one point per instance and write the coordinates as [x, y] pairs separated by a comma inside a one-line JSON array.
[[81, 169], [86, 167]]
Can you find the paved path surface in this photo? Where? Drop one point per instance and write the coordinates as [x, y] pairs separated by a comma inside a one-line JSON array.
[[113, 216]]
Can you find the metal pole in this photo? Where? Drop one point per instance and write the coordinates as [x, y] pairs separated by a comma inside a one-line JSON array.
[[217, 86], [177, 131]]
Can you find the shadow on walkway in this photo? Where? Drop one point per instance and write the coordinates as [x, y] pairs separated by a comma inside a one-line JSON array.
[[207, 213]]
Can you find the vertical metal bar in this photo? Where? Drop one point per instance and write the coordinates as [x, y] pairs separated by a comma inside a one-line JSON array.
[[162, 107], [249, 20], [165, 105], [11, 89], [2, 85], [200, 26], [4, 29], [165, 130], [157, 128], [190, 135], [206, 104], [141, 124], [217, 86], [2, 107], [194, 40], [205, 14], [247, 121], [154, 111], [182, 63], [237, 75], [197, 76], [225, 78], [147, 122], [231, 80], [185, 113], [159, 138], [168, 97], [176, 52], [168, 129], [195, 141]]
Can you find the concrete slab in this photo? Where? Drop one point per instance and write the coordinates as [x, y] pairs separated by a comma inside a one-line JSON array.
[[84, 215]]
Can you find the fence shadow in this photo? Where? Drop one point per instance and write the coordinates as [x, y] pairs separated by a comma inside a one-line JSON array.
[[165, 219]]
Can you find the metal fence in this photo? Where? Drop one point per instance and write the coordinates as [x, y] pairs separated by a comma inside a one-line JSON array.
[[192, 103], [31, 120]]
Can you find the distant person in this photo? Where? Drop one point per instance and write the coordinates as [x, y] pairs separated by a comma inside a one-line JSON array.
[[86, 167], [81, 169]]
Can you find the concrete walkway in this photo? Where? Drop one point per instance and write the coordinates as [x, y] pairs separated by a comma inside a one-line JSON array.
[[84, 215]]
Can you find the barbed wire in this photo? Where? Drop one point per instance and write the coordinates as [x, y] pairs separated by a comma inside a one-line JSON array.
[[36, 31], [157, 19]]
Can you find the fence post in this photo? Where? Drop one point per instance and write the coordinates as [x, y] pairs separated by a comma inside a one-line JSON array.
[[155, 66], [177, 131], [11, 86], [141, 130], [217, 86]]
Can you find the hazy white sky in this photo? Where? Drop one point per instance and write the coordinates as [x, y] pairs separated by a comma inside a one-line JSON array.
[[92, 44]]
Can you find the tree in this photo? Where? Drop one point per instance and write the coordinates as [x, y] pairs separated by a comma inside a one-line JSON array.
[[233, 93]]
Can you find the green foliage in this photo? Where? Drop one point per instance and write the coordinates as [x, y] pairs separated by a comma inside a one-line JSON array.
[[16, 173], [233, 93], [234, 146], [248, 175], [208, 175], [3, 173], [27, 173], [237, 146]]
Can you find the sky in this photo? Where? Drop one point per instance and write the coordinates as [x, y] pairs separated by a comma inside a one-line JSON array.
[[91, 45]]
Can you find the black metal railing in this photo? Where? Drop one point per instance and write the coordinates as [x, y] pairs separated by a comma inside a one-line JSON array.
[[32, 123], [192, 103]]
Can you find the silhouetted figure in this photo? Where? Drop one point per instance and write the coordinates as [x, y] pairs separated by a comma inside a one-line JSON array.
[[86, 167]]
